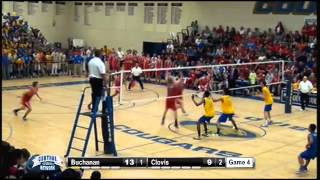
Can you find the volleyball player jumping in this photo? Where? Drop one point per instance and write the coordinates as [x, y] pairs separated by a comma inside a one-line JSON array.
[[172, 101]]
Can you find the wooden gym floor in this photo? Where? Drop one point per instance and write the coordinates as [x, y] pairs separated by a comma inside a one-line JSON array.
[[48, 130]]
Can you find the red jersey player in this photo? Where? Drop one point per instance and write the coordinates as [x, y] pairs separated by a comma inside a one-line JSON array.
[[26, 98], [179, 100], [117, 85], [173, 90], [204, 83]]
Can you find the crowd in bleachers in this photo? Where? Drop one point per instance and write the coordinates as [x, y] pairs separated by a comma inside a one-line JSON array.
[[18, 164], [26, 53], [223, 45]]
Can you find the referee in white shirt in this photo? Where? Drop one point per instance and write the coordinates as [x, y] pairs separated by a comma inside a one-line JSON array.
[[136, 72], [97, 76], [305, 87]]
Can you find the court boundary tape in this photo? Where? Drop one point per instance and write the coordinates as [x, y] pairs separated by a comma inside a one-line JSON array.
[[10, 131]]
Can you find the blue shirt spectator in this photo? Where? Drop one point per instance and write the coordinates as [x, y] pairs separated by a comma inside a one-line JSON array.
[[251, 46], [77, 59], [4, 59], [26, 59]]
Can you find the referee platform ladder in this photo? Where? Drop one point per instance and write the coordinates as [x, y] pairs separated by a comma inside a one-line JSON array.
[[106, 116]]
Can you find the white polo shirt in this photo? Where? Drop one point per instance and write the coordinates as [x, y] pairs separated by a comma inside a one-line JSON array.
[[136, 71], [305, 87], [96, 67]]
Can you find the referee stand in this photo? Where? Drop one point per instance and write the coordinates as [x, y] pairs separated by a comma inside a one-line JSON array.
[[107, 125]]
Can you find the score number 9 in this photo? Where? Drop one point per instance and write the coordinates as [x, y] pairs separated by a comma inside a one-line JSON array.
[[209, 162]]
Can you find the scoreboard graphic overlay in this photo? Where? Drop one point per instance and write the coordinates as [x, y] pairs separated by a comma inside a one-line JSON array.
[[160, 163]]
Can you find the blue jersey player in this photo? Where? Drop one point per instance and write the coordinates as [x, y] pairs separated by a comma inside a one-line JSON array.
[[311, 150]]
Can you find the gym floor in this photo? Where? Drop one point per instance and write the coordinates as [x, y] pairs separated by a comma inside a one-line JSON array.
[[48, 129]]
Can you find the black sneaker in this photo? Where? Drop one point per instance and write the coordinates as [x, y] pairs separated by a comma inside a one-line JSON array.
[[196, 138], [15, 112], [24, 118]]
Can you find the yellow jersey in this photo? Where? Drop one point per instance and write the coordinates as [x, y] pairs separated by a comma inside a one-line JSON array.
[[208, 107], [267, 96], [226, 105]]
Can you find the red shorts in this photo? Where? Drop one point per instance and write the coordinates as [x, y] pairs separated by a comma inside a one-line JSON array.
[[171, 104], [203, 87], [25, 101]]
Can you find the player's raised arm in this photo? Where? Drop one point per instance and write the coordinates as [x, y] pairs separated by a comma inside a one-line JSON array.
[[197, 103]]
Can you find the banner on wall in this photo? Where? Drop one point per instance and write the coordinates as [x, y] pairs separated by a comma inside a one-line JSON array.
[[77, 42], [162, 13], [310, 20], [176, 11]]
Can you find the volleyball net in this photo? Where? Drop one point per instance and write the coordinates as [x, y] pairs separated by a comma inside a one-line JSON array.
[[241, 79]]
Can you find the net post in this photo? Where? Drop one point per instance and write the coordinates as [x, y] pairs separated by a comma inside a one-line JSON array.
[[288, 98], [282, 69], [121, 88]]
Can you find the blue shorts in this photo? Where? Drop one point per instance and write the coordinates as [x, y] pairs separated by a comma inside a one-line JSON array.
[[307, 154], [205, 119], [225, 117], [268, 108]]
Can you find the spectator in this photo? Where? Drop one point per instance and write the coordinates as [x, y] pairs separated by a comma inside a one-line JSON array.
[[95, 175], [55, 62], [77, 65], [253, 80], [70, 174], [5, 65], [120, 56], [170, 47], [268, 77], [279, 29]]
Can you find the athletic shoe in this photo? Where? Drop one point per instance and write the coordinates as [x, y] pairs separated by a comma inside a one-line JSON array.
[[215, 134], [24, 118], [196, 138], [206, 135], [302, 170], [301, 109], [15, 112], [270, 122], [265, 125]]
